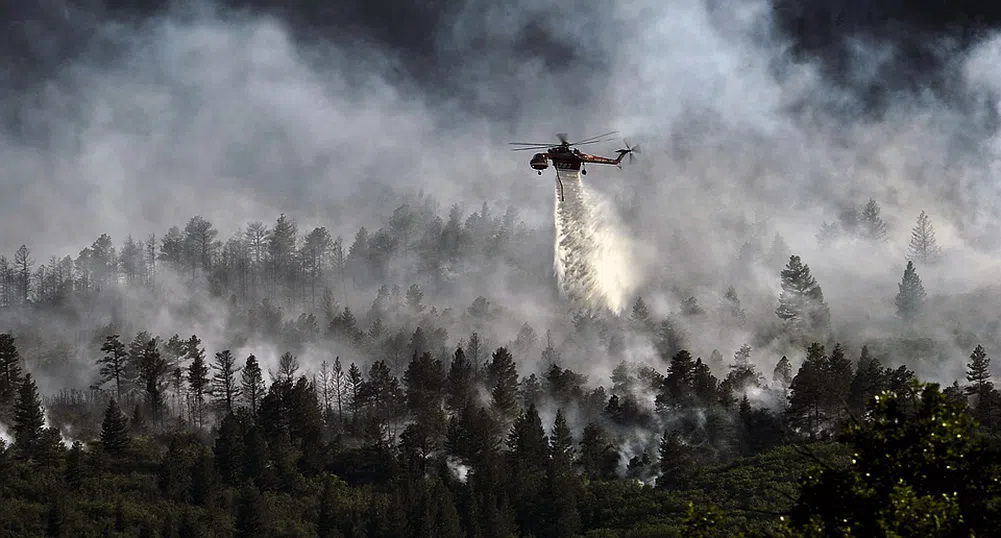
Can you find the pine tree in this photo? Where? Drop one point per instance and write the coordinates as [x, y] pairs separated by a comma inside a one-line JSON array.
[[978, 373], [675, 461], [152, 372], [288, 366], [114, 362], [355, 380], [868, 380], [808, 391], [229, 450], [75, 467], [782, 375], [598, 458], [10, 372], [671, 338], [731, 308], [828, 232], [678, 385], [911, 295], [114, 429], [29, 420], [504, 390], [801, 303], [252, 383], [561, 443], [640, 315], [705, 386], [923, 248], [329, 306], [691, 307], [562, 484], [197, 376], [250, 514], [459, 382], [327, 519], [715, 362], [339, 382], [224, 383], [473, 352], [839, 379], [414, 297], [550, 355], [872, 225]]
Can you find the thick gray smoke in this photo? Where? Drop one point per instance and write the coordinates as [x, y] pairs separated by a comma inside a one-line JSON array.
[[229, 117]]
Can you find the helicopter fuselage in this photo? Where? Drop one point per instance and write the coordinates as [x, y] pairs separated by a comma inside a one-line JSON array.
[[564, 158]]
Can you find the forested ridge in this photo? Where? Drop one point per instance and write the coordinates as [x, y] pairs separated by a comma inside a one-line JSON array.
[[432, 410]]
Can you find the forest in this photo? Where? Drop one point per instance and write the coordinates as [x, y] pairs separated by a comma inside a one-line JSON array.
[[183, 385]]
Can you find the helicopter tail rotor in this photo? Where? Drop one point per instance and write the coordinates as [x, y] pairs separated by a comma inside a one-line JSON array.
[[631, 151]]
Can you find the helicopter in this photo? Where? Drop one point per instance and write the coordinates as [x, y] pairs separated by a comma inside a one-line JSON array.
[[567, 157]]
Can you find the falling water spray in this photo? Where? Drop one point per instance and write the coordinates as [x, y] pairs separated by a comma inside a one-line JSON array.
[[591, 254]]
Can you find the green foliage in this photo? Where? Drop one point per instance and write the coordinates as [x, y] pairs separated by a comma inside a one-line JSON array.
[[114, 430], [10, 372], [503, 375], [918, 468], [978, 373], [29, 420]]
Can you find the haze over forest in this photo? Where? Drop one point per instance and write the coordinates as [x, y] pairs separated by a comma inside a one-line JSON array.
[[312, 185], [149, 121]]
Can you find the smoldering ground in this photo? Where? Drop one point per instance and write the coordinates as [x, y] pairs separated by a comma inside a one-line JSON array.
[[239, 116]]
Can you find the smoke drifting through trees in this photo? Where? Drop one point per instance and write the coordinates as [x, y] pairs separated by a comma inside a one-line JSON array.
[[228, 119]]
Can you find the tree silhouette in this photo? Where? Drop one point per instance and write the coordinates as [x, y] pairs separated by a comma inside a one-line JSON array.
[[197, 376], [29, 420], [911, 295], [978, 373], [10, 371], [114, 429], [801, 303], [871, 225], [114, 363], [782, 375], [224, 383], [923, 248]]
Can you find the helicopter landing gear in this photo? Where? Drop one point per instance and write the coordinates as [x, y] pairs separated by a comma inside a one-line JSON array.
[[540, 172], [583, 171]]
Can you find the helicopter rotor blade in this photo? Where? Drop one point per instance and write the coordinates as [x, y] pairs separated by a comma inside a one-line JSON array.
[[530, 148], [528, 144], [594, 138], [592, 142]]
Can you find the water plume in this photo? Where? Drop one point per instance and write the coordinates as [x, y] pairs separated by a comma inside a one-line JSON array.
[[591, 258]]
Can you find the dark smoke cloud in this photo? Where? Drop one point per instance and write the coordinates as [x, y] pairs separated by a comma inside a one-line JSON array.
[[126, 118], [882, 51], [442, 49]]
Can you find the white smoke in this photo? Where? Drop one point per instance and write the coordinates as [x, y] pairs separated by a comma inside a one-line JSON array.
[[592, 257], [459, 470], [5, 435]]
